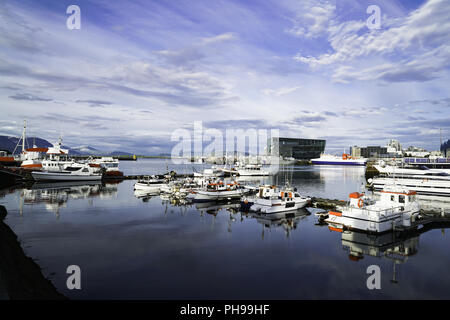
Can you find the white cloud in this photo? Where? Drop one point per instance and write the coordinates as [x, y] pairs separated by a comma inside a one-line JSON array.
[[421, 39], [312, 18], [280, 91]]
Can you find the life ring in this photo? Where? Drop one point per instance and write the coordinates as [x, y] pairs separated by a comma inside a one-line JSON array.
[[360, 203]]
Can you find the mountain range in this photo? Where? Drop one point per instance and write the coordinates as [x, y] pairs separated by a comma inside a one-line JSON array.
[[9, 143]]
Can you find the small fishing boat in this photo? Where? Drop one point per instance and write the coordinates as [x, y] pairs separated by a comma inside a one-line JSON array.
[[396, 208], [149, 183], [83, 173], [210, 173], [217, 191], [252, 170], [273, 200], [110, 164]]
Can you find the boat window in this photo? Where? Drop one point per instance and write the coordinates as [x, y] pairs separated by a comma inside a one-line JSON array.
[[401, 198], [392, 198]]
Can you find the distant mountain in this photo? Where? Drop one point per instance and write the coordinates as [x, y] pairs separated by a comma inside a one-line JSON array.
[[9, 143], [120, 153], [86, 150]]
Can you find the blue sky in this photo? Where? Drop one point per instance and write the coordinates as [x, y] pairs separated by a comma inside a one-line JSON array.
[[137, 70]]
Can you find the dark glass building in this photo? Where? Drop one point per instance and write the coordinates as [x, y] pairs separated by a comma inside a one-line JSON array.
[[302, 149], [445, 149]]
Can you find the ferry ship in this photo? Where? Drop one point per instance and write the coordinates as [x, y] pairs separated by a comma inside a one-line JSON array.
[[346, 159]]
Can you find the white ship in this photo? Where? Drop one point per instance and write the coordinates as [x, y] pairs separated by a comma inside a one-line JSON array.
[[335, 160], [425, 185], [418, 170], [397, 207]]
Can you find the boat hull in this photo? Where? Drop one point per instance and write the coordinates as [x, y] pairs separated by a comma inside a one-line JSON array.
[[278, 208], [368, 224], [147, 187], [202, 196], [421, 186], [339, 163], [53, 176]]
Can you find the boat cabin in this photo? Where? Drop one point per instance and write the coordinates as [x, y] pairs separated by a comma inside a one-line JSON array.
[[390, 196], [221, 186]]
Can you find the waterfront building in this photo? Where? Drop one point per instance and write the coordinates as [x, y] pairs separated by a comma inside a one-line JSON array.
[[301, 149], [394, 147], [355, 152], [374, 152], [445, 149], [416, 152]]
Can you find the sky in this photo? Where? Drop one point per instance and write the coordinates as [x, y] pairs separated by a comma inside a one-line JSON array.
[[138, 70]]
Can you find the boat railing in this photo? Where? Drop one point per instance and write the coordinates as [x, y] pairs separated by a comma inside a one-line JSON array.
[[381, 212]]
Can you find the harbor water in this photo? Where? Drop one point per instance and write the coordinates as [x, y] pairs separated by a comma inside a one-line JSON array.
[[130, 247]]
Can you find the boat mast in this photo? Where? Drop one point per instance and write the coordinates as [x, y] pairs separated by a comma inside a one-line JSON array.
[[23, 134], [22, 138]]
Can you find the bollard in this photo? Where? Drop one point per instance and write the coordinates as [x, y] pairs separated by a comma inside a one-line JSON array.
[[3, 213]]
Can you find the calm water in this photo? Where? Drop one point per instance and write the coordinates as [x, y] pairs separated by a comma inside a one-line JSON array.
[[150, 248]]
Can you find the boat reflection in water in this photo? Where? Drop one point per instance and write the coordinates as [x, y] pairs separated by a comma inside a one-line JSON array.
[[394, 246], [214, 207], [288, 221], [55, 195], [145, 195]]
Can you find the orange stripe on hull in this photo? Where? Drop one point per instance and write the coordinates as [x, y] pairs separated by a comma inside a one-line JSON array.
[[35, 165], [339, 214], [335, 229]]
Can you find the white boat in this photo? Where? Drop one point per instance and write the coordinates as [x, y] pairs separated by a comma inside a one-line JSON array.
[[210, 173], [84, 173], [109, 163], [419, 170], [57, 159], [149, 183], [217, 191], [346, 159], [251, 170], [396, 207], [425, 185], [273, 200]]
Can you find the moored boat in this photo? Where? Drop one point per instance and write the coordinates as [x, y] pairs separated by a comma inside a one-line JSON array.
[[252, 170], [217, 191], [396, 208], [84, 173], [273, 200], [149, 183]]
